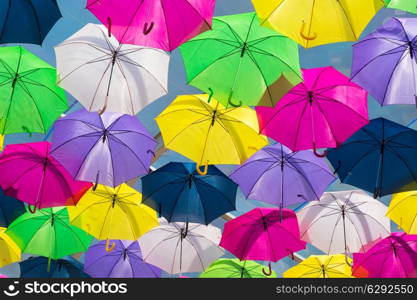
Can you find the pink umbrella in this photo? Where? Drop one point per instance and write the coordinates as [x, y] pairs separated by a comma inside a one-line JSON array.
[[267, 234], [162, 24], [321, 112], [392, 257], [30, 174]]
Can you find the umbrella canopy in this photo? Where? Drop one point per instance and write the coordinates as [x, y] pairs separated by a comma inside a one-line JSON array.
[[125, 261], [392, 257], [241, 62], [9, 251], [366, 159], [104, 75], [405, 5], [321, 112], [113, 213], [180, 194], [343, 222], [108, 149], [158, 24], [10, 209], [206, 132], [41, 267], [392, 48], [403, 209], [27, 21], [281, 177], [48, 232], [181, 247], [235, 268], [321, 266], [29, 173], [314, 23]]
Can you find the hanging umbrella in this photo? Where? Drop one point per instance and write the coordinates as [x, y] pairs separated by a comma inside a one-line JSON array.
[[29, 173], [343, 222], [9, 251], [108, 149], [241, 62], [125, 261], [393, 49], [367, 159], [10, 209], [403, 209], [406, 5], [104, 75], [181, 247], [180, 194], [321, 112], [113, 213], [37, 267], [278, 176], [30, 100], [392, 257], [321, 266], [314, 23], [235, 268], [206, 132], [158, 24]]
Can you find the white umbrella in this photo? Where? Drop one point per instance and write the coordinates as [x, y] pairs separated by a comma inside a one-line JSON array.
[[343, 222], [177, 249], [104, 75]]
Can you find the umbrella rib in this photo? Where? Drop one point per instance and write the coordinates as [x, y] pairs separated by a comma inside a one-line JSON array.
[[297, 133], [36, 17], [403, 161], [222, 41], [34, 234], [196, 252], [221, 123], [391, 40], [94, 46], [304, 176], [325, 98], [98, 86], [348, 21], [235, 34], [327, 121], [74, 233], [29, 81], [84, 209], [369, 216], [211, 186], [127, 85], [348, 172], [272, 12]]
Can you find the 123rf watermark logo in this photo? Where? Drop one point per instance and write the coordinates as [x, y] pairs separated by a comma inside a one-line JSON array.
[[71, 289]]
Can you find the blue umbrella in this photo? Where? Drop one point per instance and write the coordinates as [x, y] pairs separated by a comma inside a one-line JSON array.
[[180, 194], [27, 21], [379, 158], [10, 209], [37, 267]]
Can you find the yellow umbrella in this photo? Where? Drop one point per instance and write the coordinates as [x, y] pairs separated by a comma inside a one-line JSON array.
[[113, 213], [403, 210], [322, 266], [206, 132], [316, 22], [9, 251]]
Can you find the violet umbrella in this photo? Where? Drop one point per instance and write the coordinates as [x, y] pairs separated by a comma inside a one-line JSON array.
[[321, 112], [281, 177], [106, 149], [124, 261]]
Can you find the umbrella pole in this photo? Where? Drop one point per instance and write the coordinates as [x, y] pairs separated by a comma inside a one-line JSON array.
[[344, 235], [49, 264]]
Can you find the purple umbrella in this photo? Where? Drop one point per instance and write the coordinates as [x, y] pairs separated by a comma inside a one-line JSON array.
[[281, 177], [125, 261], [107, 149], [384, 62]]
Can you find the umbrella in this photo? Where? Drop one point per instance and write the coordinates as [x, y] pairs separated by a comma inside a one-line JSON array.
[[392, 48], [113, 213], [180, 194], [37, 267], [10, 209], [203, 130], [181, 247], [321, 112], [157, 24], [108, 149], [125, 261], [235, 268], [29, 173], [314, 23], [30, 99], [321, 266], [107, 76], [367, 159], [405, 5], [392, 257], [403, 209], [27, 21], [241, 62], [278, 176], [343, 222], [9, 251]]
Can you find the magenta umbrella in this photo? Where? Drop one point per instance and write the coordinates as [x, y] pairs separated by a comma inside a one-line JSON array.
[[162, 24], [321, 112]]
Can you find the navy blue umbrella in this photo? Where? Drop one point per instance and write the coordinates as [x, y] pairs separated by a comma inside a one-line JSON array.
[[380, 158], [27, 21], [180, 194], [37, 267], [10, 209]]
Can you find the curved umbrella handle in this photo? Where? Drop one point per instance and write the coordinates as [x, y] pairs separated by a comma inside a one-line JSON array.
[[108, 247], [304, 36], [269, 272], [32, 208], [234, 104], [210, 95], [102, 111], [204, 172], [109, 25], [148, 28], [347, 261], [316, 153], [152, 152]]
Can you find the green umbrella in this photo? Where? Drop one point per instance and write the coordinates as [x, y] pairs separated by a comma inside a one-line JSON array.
[[406, 5], [240, 62], [235, 268], [30, 100]]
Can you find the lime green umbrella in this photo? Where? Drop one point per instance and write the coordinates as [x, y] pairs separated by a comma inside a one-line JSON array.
[[406, 5], [235, 268], [240, 62]]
